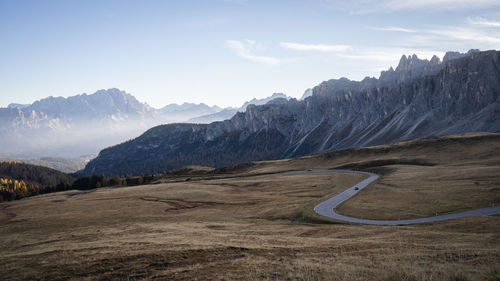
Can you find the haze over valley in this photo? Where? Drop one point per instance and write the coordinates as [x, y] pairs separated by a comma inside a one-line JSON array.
[[78, 127]]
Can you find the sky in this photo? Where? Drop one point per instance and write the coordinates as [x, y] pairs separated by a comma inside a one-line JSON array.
[[223, 52]]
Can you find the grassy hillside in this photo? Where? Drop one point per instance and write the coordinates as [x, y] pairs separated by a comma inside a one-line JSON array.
[[419, 178], [247, 223]]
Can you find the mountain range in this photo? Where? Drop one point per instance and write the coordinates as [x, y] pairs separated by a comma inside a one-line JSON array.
[[73, 126], [186, 111], [84, 124], [419, 98], [227, 113]]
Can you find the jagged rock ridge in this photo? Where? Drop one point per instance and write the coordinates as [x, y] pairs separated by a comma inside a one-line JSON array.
[[419, 98]]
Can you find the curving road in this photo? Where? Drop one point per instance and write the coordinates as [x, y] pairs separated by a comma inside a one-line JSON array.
[[327, 208]]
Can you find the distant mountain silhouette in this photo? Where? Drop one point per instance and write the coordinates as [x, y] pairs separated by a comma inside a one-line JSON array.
[[73, 126], [227, 113], [183, 112], [101, 104]]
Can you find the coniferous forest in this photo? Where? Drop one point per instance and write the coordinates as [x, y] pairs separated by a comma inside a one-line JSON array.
[[19, 180]]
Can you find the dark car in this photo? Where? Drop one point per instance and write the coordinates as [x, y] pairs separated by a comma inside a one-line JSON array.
[[356, 188]]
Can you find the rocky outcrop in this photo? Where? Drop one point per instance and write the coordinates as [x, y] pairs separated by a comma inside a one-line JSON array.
[[419, 98]]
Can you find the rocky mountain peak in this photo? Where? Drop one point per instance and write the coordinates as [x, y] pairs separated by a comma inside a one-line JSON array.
[[410, 67], [435, 60], [403, 60], [278, 95], [256, 101], [307, 93], [17, 105], [410, 63], [102, 103], [452, 55]]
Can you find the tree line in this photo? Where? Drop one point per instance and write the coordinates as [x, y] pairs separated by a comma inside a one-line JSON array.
[[19, 180]]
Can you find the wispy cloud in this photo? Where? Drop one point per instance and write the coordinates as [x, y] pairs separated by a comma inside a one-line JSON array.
[[369, 6], [483, 22], [246, 48], [466, 34], [314, 47], [393, 28], [437, 4], [476, 32]]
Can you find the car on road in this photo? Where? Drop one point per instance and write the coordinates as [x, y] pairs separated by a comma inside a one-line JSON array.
[[356, 188]]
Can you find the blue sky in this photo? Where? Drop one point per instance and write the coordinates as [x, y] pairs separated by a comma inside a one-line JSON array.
[[222, 52]]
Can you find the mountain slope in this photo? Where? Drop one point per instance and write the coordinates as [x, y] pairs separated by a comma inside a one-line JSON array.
[[32, 173], [417, 99]]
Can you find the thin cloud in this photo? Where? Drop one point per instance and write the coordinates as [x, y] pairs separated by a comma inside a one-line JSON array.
[[314, 47], [438, 4], [483, 22], [373, 6], [465, 34], [245, 49], [393, 28], [473, 33]]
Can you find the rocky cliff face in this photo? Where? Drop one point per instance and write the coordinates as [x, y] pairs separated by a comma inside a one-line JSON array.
[[419, 98]]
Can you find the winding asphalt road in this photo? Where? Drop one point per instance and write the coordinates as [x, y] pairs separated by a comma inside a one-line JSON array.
[[327, 208]]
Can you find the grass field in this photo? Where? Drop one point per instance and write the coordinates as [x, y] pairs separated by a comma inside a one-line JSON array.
[[246, 223]]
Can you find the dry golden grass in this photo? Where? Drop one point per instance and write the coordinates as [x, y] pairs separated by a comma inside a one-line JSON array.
[[413, 192], [252, 225]]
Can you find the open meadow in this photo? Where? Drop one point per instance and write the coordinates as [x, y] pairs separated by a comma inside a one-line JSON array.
[[248, 223]]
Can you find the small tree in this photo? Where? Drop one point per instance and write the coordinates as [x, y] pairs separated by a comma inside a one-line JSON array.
[[115, 180]]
